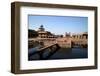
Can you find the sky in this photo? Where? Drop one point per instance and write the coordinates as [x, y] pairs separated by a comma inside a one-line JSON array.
[[58, 24]]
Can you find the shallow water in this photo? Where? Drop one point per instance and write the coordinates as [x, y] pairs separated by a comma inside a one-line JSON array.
[[64, 53], [71, 53]]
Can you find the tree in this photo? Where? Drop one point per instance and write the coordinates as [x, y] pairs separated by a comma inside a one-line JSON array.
[[32, 33]]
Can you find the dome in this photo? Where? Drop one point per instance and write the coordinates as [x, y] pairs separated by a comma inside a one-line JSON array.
[[41, 28]]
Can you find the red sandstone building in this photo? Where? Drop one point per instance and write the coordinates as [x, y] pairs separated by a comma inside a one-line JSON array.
[[67, 41]]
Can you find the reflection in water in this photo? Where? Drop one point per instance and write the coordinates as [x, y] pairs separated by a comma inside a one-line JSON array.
[[33, 50], [62, 53], [71, 53]]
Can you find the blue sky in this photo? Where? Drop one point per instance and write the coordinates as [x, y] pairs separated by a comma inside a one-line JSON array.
[[59, 24]]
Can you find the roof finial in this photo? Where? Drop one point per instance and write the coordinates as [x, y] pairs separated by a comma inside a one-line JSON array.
[[41, 26]]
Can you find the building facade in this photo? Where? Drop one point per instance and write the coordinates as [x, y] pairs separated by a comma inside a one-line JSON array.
[[80, 39], [67, 41]]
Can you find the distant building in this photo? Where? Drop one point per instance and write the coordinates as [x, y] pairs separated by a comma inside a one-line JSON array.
[[44, 34], [64, 42], [67, 34], [67, 41], [80, 39]]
